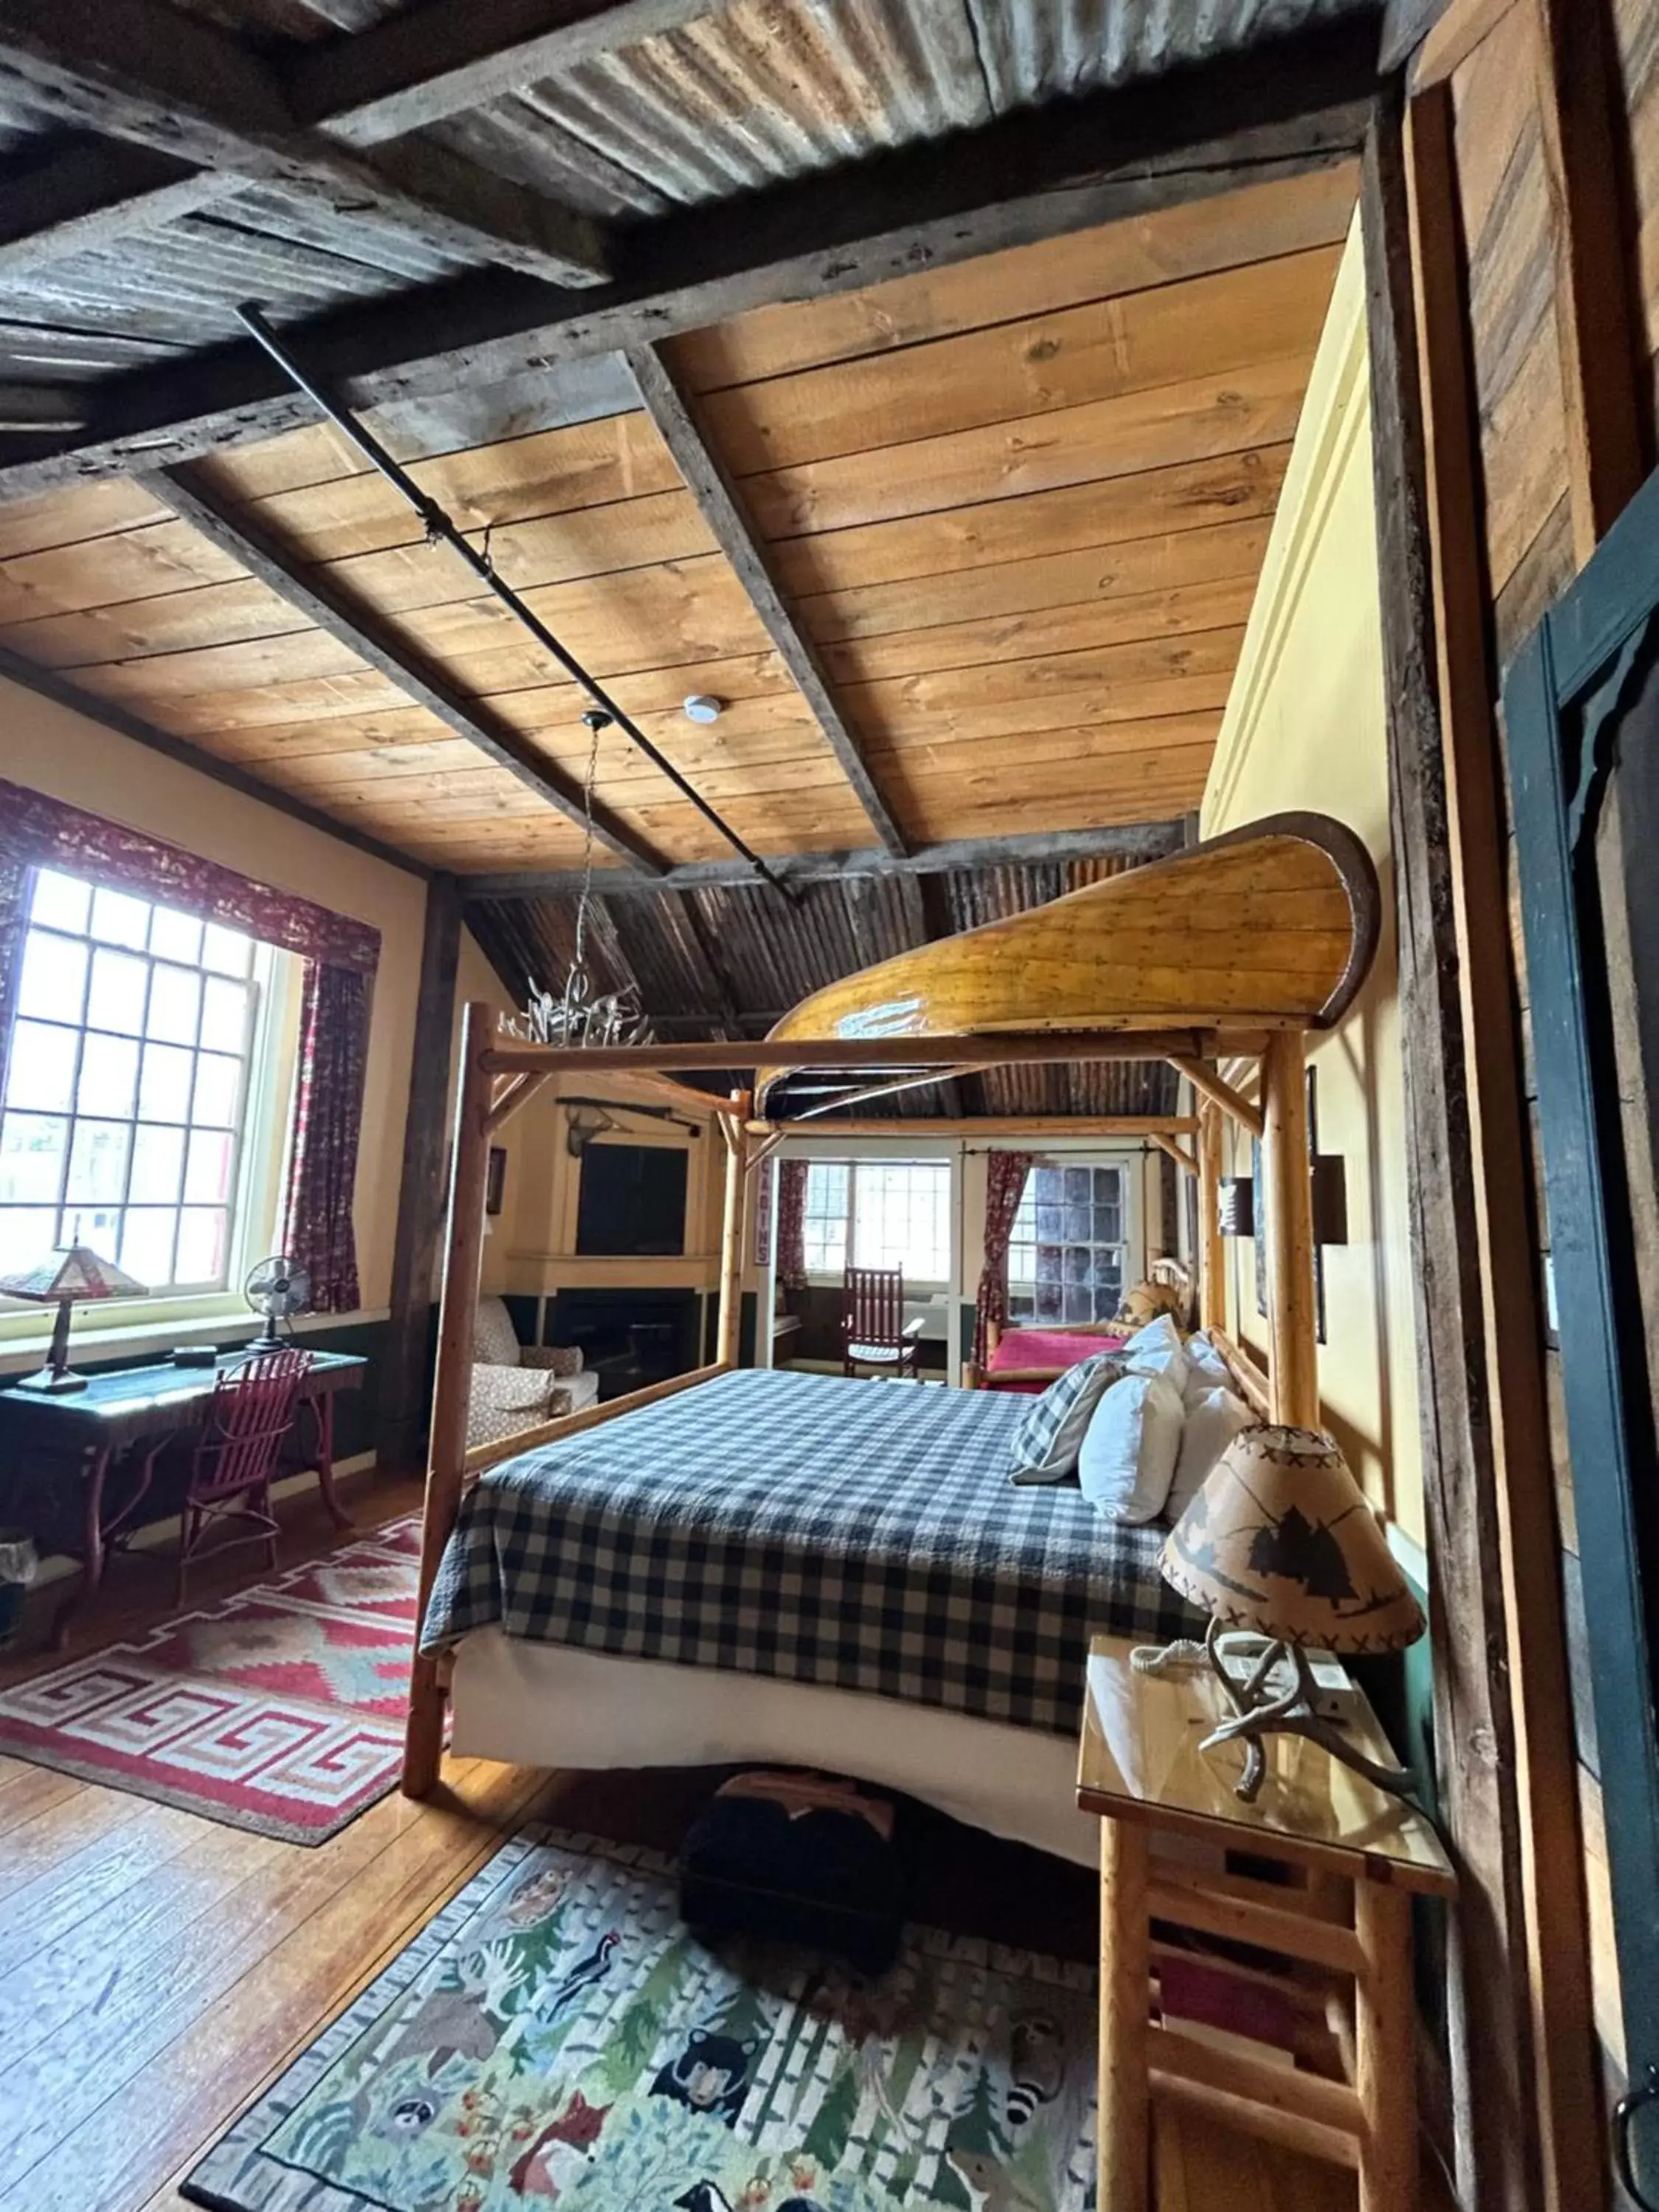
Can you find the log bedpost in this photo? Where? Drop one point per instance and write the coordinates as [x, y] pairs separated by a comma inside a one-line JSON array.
[[452, 1384], [1212, 1248], [1295, 1369], [733, 1127]]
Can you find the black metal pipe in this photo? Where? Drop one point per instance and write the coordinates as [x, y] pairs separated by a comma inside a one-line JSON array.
[[439, 526]]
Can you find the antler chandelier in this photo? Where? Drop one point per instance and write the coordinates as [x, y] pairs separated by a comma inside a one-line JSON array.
[[581, 1015]]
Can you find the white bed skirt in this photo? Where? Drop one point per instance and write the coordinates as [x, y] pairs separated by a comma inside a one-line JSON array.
[[549, 1705]]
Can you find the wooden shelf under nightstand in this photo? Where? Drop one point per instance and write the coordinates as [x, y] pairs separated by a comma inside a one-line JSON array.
[[1308, 1892]]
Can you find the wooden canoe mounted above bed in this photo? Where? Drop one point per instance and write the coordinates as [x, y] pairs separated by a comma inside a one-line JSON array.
[[1274, 924]]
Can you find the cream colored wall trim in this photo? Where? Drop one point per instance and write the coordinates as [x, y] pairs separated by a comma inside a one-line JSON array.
[[1337, 409]]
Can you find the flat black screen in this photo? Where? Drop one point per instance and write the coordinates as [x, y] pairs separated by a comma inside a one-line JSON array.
[[633, 1199]]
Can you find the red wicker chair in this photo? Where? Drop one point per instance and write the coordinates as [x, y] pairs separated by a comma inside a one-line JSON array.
[[253, 1409]]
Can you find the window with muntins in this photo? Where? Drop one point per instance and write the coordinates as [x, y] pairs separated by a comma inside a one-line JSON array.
[[126, 1102], [879, 1213], [1068, 1254]]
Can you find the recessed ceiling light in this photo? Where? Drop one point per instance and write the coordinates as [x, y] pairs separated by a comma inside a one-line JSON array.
[[699, 708]]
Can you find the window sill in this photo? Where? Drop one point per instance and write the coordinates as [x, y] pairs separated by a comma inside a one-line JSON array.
[[19, 1355]]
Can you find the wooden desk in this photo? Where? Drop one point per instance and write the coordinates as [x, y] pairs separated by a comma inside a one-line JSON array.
[[145, 1408], [1333, 1864]]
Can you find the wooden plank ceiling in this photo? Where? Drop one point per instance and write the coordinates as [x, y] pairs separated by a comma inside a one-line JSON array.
[[1016, 509]]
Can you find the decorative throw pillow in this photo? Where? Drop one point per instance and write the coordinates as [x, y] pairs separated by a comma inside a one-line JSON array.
[[1206, 1370], [1047, 1442], [1128, 1456], [1157, 1350], [1214, 1420]]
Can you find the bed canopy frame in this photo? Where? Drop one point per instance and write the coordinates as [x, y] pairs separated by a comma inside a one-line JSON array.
[[1227, 954]]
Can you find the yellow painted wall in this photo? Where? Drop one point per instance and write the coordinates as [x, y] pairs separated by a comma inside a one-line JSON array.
[[1305, 727], [52, 750]]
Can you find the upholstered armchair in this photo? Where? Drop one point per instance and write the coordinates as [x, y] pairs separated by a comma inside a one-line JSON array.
[[515, 1385]]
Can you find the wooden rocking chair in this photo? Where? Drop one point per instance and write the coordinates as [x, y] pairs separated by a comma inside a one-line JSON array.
[[872, 1327], [252, 1410]]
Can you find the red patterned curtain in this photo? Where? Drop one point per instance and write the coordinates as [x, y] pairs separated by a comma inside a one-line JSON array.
[[1005, 1186], [792, 1223], [322, 1168], [341, 957]]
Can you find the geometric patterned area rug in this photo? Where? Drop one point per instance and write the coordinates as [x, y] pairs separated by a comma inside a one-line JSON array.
[[557, 2035], [280, 1709]]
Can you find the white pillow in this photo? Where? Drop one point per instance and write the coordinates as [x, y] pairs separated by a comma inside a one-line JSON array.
[[1214, 1420], [1206, 1370], [1157, 1350], [1128, 1456]]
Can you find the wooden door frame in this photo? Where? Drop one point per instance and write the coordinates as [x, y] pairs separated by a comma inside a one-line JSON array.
[[1564, 697]]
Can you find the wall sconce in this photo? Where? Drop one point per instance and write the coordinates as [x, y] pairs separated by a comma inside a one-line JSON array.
[[1237, 1205]]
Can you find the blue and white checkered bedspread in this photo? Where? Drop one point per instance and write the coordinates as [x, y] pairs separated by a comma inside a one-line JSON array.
[[858, 1535]]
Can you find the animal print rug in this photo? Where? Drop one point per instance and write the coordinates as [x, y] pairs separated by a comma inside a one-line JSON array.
[[557, 2036]]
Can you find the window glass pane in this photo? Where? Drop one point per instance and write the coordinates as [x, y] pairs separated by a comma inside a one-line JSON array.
[[98, 1162], [1047, 1301], [1050, 1220], [146, 1234], [227, 951], [218, 1085], [60, 902], [158, 1164], [175, 936], [1048, 1181], [109, 1075], [98, 1226], [207, 1171], [901, 1217], [224, 1015], [202, 1244], [175, 1005], [118, 986], [32, 1151], [119, 920], [53, 982], [1077, 1306], [1077, 1186], [25, 1236], [1108, 1224], [41, 1069], [164, 1083]]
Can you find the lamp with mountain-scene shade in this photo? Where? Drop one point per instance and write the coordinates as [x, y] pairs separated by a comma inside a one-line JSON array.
[[1280, 1543], [66, 1278]]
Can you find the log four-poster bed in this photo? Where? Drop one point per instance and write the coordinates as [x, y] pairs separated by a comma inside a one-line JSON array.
[[743, 1564]]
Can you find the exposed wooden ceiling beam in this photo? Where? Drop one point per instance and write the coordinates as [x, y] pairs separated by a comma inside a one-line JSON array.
[[677, 416], [167, 84], [45, 684], [1286, 107], [1132, 841], [417, 67], [335, 611]]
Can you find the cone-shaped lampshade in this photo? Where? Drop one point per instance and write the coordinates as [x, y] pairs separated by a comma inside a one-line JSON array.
[[1280, 1540], [77, 1273]]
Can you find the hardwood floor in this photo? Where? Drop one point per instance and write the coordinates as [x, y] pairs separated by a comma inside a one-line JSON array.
[[156, 1970]]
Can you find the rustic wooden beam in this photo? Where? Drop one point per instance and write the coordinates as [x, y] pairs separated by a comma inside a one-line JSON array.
[[420, 67], [1182, 1158], [311, 593], [1489, 2026], [138, 71], [1014, 1049], [678, 419], [1458, 29], [1597, 317], [400, 1435], [1571, 2139], [1134, 841], [1220, 1092], [1286, 107], [85, 196], [1003, 1125], [45, 684]]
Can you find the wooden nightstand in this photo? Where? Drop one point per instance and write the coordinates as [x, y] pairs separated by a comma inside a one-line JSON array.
[[1299, 1903]]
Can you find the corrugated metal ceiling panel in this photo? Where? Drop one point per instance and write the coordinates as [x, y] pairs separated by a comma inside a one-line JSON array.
[[754, 951]]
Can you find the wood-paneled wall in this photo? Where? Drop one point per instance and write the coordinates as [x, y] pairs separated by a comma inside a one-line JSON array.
[[1544, 415]]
